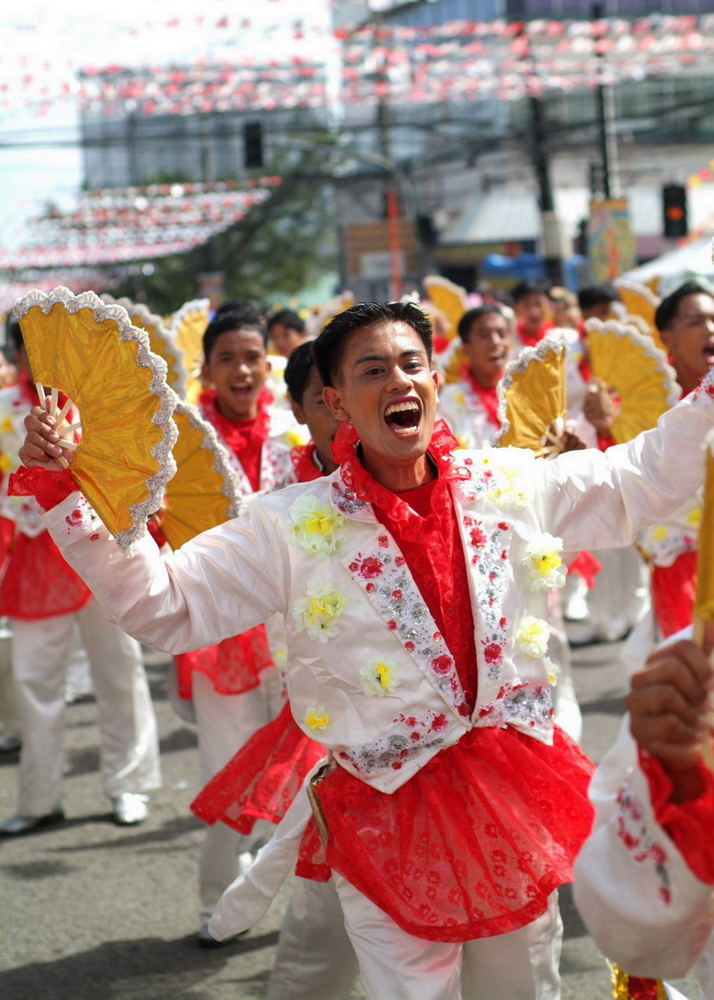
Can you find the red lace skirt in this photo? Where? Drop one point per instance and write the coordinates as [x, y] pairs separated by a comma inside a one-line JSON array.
[[673, 591], [262, 779], [471, 846], [233, 665], [38, 583]]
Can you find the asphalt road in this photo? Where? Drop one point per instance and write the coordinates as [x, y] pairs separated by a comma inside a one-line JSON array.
[[93, 911]]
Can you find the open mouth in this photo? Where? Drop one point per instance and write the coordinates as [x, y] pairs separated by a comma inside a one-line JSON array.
[[709, 351], [403, 417]]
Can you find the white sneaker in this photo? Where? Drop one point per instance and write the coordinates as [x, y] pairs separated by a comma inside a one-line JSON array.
[[130, 808]]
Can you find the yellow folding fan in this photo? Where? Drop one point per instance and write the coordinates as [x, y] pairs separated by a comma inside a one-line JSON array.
[[631, 364], [532, 397], [448, 298], [160, 341], [89, 350], [704, 599], [204, 492], [187, 328], [640, 300]]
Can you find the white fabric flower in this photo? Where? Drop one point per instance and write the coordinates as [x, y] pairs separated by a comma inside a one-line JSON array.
[[314, 526], [510, 486], [532, 636], [378, 677], [315, 613], [317, 718], [543, 562]]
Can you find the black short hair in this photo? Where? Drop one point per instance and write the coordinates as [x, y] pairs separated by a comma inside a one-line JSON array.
[[528, 287], [669, 306], [297, 370], [470, 317], [288, 318], [330, 345], [596, 295], [240, 316]]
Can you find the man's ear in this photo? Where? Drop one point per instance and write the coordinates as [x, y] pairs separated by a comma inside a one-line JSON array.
[[332, 398], [205, 376]]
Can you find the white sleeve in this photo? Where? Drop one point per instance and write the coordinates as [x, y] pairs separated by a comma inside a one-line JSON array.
[[642, 905], [598, 499], [219, 584]]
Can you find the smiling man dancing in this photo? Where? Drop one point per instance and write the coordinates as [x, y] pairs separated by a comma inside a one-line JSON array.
[[413, 583]]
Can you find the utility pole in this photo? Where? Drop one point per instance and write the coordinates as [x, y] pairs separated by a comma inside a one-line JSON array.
[[552, 244], [605, 101]]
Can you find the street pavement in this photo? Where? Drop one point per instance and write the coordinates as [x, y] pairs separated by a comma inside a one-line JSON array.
[[93, 911]]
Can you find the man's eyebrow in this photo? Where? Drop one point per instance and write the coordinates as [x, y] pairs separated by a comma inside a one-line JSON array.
[[410, 353]]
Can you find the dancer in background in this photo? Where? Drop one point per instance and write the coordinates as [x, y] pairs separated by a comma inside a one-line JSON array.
[[234, 685]]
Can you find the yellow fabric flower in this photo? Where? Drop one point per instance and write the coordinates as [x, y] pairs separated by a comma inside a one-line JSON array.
[[315, 612], [6, 425], [544, 563], [694, 517], [317, 717], [532, 636], [315, 527], [5, 462], [659, 532], [510, 487], [378, 677], [552, 670]]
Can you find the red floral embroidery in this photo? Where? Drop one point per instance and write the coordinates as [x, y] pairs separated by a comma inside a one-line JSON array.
[[383, 541], [74, 517], [442, 664], [492, 652], [439, 722], [478, 537], [391, 624], [370, 567]]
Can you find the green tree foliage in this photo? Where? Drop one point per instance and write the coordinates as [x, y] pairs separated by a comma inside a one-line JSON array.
[[275, 252]]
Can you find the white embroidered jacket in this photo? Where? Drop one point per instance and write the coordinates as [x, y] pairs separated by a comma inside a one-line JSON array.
[[24, 511], [466, 415], [643, 906], [368, 673], [276, 468]]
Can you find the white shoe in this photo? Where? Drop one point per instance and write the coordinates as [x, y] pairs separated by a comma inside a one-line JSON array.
[[130, 808]]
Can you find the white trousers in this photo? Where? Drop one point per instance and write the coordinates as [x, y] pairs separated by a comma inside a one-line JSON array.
[[394, 965], [225, 722], [127, 724], [9, 708], [315, 959]]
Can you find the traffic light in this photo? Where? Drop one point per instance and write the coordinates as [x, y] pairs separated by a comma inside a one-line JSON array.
[[253, 144], [674, 211]]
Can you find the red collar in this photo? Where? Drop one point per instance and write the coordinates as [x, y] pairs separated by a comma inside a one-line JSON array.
[[366, 488], [531, 339], [239, 435], [487, 396], [304, 459]]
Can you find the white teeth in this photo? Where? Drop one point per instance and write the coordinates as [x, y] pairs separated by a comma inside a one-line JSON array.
[[401, 407]]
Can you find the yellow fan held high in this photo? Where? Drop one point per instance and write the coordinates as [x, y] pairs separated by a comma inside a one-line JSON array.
[[639, 300], [448, 298], [89, 351], [704, 599], [532, 397], [204, 492], [636, 370], [187, 328], [160, 341]]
